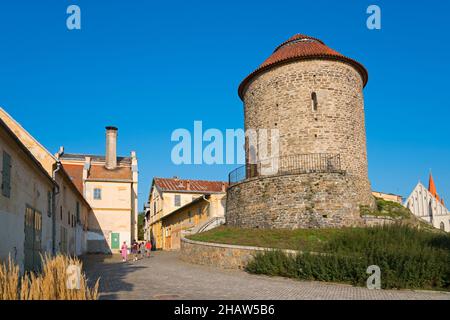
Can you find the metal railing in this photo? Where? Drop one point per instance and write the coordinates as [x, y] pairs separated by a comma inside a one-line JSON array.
[[294, 164]]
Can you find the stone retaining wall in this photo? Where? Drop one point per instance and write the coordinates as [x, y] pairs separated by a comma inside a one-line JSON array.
[[219, 255], [313, 200], [373, 221]]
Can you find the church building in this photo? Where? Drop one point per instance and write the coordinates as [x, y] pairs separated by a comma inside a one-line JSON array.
[[426, 204]]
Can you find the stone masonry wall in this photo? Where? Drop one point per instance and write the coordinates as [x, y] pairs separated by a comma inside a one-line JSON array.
[[314, 200], [280, 98], [219, 255]]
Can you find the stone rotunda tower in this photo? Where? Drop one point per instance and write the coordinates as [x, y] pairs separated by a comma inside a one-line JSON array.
[[314, 96]]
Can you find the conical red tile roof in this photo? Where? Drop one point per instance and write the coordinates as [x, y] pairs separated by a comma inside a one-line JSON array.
[[302, 47]]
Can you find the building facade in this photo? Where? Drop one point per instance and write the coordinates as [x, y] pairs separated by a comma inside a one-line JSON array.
[[426, 204], [177, 205], [110, 186], [69, 211], [313, 96], [388, 196], [201, 214], [25, 209]]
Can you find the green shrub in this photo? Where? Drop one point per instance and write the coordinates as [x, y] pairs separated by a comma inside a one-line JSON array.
[[386, 208], [408, 258]]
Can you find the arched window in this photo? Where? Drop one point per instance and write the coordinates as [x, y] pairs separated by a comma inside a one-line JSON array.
[[442, 226], [430, 211], [314, 103]]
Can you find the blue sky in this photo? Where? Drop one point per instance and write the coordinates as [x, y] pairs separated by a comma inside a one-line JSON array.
[[150, 67]]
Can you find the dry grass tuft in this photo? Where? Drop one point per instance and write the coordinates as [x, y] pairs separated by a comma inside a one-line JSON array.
[[50, 284]]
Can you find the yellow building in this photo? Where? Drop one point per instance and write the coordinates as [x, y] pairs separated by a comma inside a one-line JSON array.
[[199, 215], [110, 186], [69, 211], [388, 196], [177, 205]]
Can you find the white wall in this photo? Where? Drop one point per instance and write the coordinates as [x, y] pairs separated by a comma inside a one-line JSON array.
[[419, 203]]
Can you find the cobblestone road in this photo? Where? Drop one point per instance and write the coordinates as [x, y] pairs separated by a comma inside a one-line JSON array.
[[164, 276]]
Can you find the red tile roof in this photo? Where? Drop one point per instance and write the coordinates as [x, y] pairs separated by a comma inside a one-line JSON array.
[[75, 173], [96, 172], [174, 184], [100, 172], [302, 47]]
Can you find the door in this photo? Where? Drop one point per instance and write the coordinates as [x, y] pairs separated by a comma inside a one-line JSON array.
[[33, 239], [115, 240], [168, 242]]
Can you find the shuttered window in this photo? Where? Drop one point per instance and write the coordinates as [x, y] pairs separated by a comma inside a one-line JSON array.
[[49, 203], [6, 175], [78, 212]]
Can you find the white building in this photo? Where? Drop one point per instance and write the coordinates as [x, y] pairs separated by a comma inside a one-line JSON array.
[[426, 204]]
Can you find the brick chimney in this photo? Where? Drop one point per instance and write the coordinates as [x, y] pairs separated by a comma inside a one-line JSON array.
[[111, 148]]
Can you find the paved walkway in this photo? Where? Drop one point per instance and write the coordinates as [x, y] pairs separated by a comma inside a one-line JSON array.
[[164, 276]]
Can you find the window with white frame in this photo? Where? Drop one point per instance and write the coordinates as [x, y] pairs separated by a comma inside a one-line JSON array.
[[97, 194], [177, 200]]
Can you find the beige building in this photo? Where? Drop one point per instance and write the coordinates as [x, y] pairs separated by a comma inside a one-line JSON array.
[[69, 211], [388, 196], [110, 186], [25, 209], [426, 204], [176, 206]]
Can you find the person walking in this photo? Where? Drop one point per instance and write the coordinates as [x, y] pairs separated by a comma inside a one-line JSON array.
[[142, 249], [135, 249], [148, 248], [124, 251]]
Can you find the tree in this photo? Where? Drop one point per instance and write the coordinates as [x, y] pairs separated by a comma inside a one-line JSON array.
[[141, 222]]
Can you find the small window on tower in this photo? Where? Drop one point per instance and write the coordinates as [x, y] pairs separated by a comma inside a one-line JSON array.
[[314, 101]]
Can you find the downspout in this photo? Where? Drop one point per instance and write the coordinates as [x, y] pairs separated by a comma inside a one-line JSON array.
[[56, 190]]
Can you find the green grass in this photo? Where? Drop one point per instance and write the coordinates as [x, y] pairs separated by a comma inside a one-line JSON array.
[[300, 239], [387, 209], [408, 258], [396, 211]]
